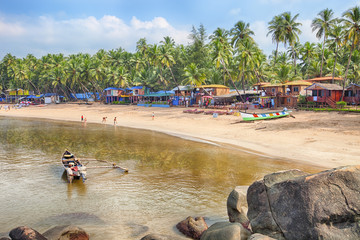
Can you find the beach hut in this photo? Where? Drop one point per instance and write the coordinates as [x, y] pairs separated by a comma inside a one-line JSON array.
[[293, 89], [324, 93], [352, 94]]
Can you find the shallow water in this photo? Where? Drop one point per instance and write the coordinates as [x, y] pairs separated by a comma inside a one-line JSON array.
[[169, 178]]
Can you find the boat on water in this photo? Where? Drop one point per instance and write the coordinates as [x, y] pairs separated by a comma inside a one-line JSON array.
[[73, 167], [264, 116]]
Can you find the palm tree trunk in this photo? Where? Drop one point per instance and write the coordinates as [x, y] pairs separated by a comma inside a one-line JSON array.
[[322, 57], [276, 52], [294, 56], [243, 77], [347, 69], [232, 82], [333, 73]]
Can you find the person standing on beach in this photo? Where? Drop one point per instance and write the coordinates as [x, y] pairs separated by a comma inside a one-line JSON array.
[[104, 119], [153, 116], [115, 121], [82, 118]]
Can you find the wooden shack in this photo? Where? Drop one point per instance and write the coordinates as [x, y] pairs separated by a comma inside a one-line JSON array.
[[352, 94], [324, 93]]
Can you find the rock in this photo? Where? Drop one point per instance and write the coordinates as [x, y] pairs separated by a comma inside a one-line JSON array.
[[137, 229], [191, 227], [25, 233], [226, 230], [159, 237], [66, 232], [237, 206], [5, 238], [258, 236], [325, 205]]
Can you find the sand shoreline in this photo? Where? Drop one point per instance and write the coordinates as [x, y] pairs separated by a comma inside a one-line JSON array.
[[324, 139]]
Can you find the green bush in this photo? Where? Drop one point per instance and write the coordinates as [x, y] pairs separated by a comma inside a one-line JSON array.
[[341, 103]]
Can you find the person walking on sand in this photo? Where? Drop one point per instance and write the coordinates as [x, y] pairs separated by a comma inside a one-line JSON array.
[[82, 118], [153, 115], [115, 121], [104, 120]]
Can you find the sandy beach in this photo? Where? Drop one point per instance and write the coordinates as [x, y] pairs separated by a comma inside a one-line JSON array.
[[327, 139]]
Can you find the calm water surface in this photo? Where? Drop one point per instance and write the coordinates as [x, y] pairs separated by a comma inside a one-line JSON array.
[[169, 178]]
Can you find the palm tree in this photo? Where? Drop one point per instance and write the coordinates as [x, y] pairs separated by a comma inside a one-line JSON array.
[[307, 53], [193, 75], [291, 31], [277, 32], [323, 24], [351, 21], [240, 32], [336, 35]]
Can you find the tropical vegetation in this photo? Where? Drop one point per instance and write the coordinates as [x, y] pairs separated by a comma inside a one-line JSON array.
[[227, 56]]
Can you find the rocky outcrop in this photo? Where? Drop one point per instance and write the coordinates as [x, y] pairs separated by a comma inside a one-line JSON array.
[[296, 205], [191, 227], [226, 230], [67, 232], [237, 206], [25, 233]]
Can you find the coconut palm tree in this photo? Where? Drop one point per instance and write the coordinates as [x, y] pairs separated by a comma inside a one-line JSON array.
[[307, 53], [351, 22], [322, 25], [193, 75], [291, 31], [277, 32], [336, 36], [240, 32]]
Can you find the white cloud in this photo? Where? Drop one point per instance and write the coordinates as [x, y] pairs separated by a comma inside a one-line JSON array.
[[47, 35], [235, 11], [10, 29]]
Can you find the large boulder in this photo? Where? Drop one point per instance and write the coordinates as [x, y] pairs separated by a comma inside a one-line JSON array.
[[226, 230], [295, 205], [191, 227], [66, 232], [25, 233], [237, 206]]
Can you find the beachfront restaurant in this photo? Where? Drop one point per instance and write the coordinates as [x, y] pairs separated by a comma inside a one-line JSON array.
[[182, 95], [324, 93], [113, 94], [13, 96], [138, 91], [155, 99]]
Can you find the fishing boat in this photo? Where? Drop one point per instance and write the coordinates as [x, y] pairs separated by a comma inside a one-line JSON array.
[[263, 116], [73, 167]]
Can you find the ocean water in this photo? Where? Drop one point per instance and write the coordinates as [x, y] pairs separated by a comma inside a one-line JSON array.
[[169, 179]]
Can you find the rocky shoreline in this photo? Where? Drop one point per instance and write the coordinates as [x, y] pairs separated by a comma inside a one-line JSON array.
[[287, 205]]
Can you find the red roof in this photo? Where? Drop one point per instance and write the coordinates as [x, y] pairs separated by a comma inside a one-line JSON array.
[[319, 79]]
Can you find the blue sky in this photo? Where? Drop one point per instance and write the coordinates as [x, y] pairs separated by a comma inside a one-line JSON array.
[[39, 27]]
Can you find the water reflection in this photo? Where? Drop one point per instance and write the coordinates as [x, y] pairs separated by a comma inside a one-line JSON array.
[[169, 178]]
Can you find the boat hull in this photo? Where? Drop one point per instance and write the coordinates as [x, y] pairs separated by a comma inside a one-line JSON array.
[[263, 116], [76, 171]]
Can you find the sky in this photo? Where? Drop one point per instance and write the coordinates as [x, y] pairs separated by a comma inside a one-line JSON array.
[[39, 27]]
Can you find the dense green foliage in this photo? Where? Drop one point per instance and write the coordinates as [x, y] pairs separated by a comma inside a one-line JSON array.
[[230, 57]]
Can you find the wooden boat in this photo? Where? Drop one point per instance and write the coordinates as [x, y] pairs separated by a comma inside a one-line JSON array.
[[263, 116], [73, 167]]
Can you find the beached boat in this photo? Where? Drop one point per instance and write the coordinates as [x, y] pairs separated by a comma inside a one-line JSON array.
[[73, 167], [263, 116]]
